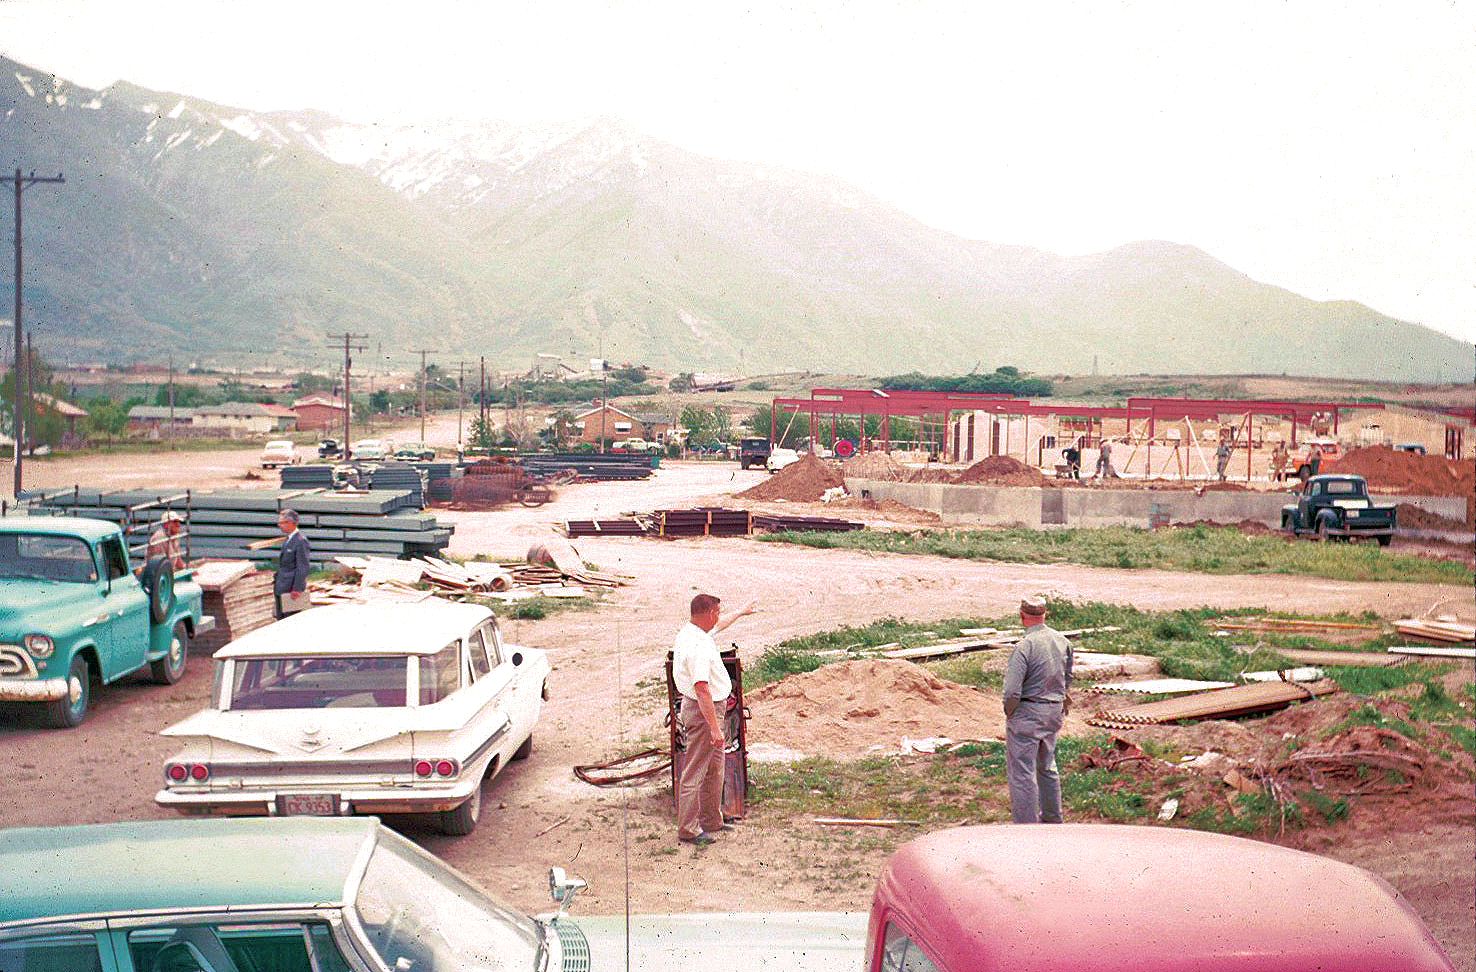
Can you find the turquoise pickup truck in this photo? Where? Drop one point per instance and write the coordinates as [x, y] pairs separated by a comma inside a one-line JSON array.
[[73, 615]]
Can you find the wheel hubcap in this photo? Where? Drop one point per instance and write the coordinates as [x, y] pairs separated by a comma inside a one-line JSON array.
[[176, 651], [74, 689]]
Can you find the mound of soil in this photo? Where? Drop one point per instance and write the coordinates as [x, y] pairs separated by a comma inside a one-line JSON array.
[[1413, 517], [853, 708], [1407, 472], [874, 465], [930, 474], [1001, 471], [804, 481]]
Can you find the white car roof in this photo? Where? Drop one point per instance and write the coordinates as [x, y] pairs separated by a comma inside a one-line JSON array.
[[279, 442], [361, 629]]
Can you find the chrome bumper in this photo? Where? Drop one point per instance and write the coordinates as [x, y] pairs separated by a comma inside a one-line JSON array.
[[32, 689], [263, 802]]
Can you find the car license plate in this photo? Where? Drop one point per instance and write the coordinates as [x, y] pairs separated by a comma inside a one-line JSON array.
[[308, 804], [1353, 514]]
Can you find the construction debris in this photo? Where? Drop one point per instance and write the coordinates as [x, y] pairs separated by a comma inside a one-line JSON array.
[[1341, 659], [1160, 686], [705, 522], [384, 579], [1297, 626], [238, 596], [1443, 629], [1434, 651], [1306, 674], [1217, 704]]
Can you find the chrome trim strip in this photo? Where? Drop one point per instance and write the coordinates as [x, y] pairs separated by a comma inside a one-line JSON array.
[[133, 919], [15, 660], [306, 766], [52, 926]]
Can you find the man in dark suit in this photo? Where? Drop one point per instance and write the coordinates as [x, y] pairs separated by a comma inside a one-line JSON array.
[[290, 584]]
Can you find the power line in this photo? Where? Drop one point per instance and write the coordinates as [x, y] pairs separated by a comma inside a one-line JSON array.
[[21, 183], [348, 340]]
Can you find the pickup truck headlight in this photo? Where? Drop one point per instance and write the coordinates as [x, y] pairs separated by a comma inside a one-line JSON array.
[[39, 645]]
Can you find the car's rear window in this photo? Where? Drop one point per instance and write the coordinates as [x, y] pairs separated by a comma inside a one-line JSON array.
[[319, 683], [1342, 487]]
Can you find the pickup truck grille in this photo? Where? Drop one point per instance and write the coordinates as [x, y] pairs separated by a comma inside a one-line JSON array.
[[574, 945], [15, 661]]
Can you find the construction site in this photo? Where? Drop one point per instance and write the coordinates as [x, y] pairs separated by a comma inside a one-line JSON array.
[[1313, 695]]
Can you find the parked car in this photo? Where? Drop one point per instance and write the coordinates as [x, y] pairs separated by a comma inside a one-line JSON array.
[[1410, 447], [369, 449], [410, 451], [329, 449], [279, 452], [75, 616], [753, 452], [1114, 898], [779, 458], [1338, 508], [337, 895], [360, 708]]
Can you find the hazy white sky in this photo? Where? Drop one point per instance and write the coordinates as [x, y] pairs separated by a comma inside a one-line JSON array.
[[1326, 147]]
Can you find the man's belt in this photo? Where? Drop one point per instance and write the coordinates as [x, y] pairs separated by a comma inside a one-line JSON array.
[[1044, 701]]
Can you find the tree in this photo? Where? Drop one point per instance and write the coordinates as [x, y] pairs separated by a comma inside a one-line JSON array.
[[106, 418], [699, 424], [483, 435], [682, 382]]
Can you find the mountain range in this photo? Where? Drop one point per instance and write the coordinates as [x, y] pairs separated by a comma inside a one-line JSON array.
[[215, 232]]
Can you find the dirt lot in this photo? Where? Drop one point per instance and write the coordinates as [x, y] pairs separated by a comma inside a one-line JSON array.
[[607, 700]]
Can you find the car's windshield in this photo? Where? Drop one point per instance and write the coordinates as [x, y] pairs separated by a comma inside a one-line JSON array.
[[36, 556], [423, 917], [317, 683]]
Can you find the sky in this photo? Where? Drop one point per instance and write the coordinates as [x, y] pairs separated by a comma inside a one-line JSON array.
[[1326, 147]]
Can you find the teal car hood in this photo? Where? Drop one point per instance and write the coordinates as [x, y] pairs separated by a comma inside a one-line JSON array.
[[35, 601], [797, 941]]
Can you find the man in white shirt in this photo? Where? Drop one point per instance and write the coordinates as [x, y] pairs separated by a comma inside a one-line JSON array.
[[702, 679]]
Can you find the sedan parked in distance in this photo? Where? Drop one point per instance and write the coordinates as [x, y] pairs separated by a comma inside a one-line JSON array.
[[279, 452], [412, 451], [358, 708], [369, 449]]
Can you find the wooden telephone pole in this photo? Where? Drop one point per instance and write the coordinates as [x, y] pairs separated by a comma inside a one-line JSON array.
[[21, 182], [349, 345]]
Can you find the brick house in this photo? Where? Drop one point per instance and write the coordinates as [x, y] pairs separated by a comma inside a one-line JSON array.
[[318, 412]]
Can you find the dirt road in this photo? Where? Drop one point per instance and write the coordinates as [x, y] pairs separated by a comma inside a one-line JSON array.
[[607, 699]]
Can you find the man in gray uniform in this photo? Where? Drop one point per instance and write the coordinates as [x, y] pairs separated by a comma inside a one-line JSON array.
[[1035, 702]]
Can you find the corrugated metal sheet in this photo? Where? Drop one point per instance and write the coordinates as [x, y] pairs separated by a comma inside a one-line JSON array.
[[1218, 704]]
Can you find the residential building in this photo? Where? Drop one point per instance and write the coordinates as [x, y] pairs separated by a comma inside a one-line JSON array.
[[243, 418], [319, 412], [153, 421]]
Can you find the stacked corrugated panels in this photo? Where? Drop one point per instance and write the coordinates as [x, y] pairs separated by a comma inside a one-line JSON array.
[[1217, 704], [438, 477], [314, 475], [588, 465], [619, 527], [238, 596], [224, 524], [703, 523], [815, 524], [395, 475]]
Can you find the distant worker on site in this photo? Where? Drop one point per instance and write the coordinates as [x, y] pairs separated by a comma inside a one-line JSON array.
[[1035, 704], [290, 583], [1314, 459], [702, 680], [1222, 459], [1279, 458], [164, 541], [1104, 461], [1072, 455]]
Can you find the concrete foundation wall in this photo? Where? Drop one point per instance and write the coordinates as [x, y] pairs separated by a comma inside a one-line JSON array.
[[1032, 506]]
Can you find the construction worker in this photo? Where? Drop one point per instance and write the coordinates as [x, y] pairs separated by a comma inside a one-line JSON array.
[[1035, 704], [1104, 461], [1222, 459], [164, 541], [1279, 457]]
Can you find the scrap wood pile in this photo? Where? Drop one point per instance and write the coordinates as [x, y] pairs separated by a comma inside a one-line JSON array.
[[704, 522], [238, 596], [383, 579], [1221, 703], [1445, 630]]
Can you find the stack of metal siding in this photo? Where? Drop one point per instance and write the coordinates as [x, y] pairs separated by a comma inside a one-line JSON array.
[[222, 524], [703, 523], [438, 476], [316, 475], [395, 475], [588, 465]]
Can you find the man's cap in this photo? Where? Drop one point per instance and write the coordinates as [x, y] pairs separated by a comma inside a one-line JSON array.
[[1034, 605], [171, 517]]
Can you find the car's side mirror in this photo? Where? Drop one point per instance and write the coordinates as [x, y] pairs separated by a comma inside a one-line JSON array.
[[517, 658], [563, 888]]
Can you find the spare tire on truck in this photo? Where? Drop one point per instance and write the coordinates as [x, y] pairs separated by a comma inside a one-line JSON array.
[[158, 583]]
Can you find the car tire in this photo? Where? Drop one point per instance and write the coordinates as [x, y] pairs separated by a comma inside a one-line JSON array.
[[1324, 524], [525, 750], [158, 582], [68, 711], [463, 819], [1384, 541], [171, 668]]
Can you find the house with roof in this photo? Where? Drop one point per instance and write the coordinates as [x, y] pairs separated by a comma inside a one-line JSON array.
[[319, 412], [153, 421], [619, 424], [244, 418]]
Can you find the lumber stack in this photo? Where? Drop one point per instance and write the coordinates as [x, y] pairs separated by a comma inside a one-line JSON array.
[[1216, 704], [238, 596], [381, 579], [225, 524], [1441, 630]]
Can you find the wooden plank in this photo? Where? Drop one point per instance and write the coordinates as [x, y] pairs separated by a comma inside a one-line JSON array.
[[1344, 659], [1435, 651]]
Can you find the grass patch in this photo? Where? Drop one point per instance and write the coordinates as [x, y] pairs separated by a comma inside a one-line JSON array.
[[1210, 550]]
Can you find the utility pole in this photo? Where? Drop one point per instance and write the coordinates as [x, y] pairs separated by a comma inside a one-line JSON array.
[[348, 340], [460, 404], [422, 395], [30, 422], [20, 182], [482, 398], [171, 401]]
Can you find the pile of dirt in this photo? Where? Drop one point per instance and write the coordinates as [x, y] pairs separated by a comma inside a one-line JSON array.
[[854, 708], [930, 474], [874, 465], [1001, 471], [1407, 515], [1407, 472], [803, 481]]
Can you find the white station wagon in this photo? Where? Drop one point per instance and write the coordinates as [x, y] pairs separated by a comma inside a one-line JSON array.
[[358, 708]]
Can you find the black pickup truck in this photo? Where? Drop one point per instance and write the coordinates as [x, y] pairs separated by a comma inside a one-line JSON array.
[[753, 452], [1338, 508]]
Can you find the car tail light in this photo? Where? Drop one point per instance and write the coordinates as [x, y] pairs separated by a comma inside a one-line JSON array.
[[446, 767], [199, 772], [423, 768], [176, 773]]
